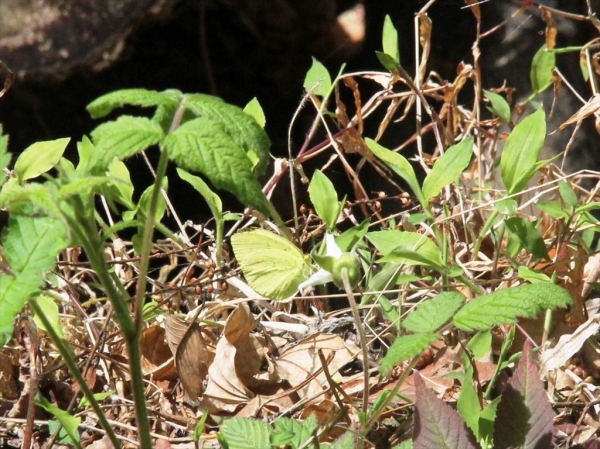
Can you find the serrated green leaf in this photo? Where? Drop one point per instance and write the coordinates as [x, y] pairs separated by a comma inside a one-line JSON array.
[[346, 441], [405, 348], [505, 306], [14, 293], [400, 165], [389, 40], [273, 266], [31, 244], [202, 146], [541, 69], [29, 199], [47, 305], [244, 433], [241, 127], [499, 106], [433, 313], [70, 423], [135, 97], [528, 236], [123, 138], [406, 247], [293, 433], [448, 168], [317, 80], [255, 110], [38, 158], [325, 199], [212, 199], [522, 150]]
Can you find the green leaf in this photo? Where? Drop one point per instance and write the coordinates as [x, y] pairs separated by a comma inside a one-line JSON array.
[[82, 186], [120, 188], [50, 309], [541, 69], [294, 433], [433, 313], [553, 208], [325, 199], [30, 248], [448, 168], [123, 138], [400, 165], [405, 348], [389, 40], [507, 206], [135, 97], [487, 418], [468, 403], [201, 145], [410, 248], [346, 441], [31, 244], [211, 198], [273, 266], [505, 306], [14, 293], [38, 158], [85, 150], [499, 106], [70, 423], [568, 194], [254, 109], [98, 396], [29, 199], [348, 239], [521, 151], [532, 276], [244, 433], [480, 345], [387, 61], [317, 80], [528, 236], [241, 127]]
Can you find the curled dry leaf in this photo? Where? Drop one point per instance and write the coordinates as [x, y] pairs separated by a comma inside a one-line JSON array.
[[237, 371], [157, 359], [299, 362], [191, 355]]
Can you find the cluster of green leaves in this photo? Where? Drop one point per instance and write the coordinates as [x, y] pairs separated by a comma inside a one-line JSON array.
[[51, 203]]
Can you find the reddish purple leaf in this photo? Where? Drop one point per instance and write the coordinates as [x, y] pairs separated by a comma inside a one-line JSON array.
[[524, 417], [437, 425]]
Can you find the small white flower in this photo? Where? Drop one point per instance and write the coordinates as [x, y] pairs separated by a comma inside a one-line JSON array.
[[323, 276]]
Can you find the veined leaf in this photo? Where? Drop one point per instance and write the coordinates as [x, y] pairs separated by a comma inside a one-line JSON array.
[[29, 199], [400, 165], [292, 432], [38, 158], [448, 168], [201, 145], [433, 313], [405, 348], [524, 416], [123, 138], [317, 80], [325, 199], [241, 127], [406, 247], [522, 150], [244, 433], [505, 306], [14, 293], [437, 424], [135, 97], [273, 266]]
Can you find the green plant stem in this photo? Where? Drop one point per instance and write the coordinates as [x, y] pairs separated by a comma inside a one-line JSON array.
[[363, 338], [407, 371], [67, 356], [486, 227]]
